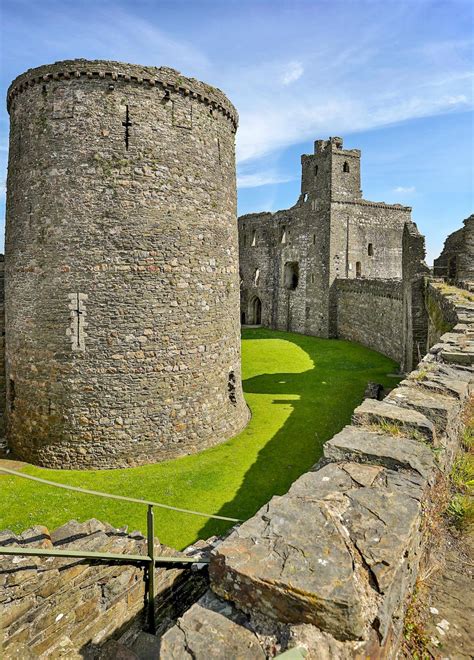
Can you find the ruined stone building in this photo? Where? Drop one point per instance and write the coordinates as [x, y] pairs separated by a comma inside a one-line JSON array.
[[331, 265], [122, 340], [456, 261]]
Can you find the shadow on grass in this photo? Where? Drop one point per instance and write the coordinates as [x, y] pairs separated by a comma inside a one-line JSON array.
[[322, 401]]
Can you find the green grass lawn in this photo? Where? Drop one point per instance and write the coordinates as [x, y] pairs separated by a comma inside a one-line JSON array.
[[301, 391]]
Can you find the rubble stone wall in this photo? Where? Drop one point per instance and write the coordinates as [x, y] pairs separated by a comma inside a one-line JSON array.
[[70, 608], [121, 266], [456, 261], [370, 313]]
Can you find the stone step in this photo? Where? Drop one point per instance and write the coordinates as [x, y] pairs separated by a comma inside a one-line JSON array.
[[146, 646], [211, 628], [358, 445]]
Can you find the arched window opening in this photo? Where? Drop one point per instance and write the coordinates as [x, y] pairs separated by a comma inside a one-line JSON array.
[[345, 167], [358, 269], [370, 250], [283, 234], [305, 197], [256, 276], [254, 238], [231, 388], [291, 275]]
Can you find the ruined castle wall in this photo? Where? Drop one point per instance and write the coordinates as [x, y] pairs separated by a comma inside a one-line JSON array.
[[466, 258], [296, 238], [456, 261], [121, 263], [70, 608], [370, 234], [370, 313], [256, 239], [334, 234]]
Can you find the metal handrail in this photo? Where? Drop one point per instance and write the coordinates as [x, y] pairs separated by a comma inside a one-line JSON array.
[[149, 561]]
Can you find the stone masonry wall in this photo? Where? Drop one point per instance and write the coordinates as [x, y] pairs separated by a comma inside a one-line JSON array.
[[456, 261], [69, 608], [2, 354], [121, 266], [370, 313], [330, 233], [330, 565]]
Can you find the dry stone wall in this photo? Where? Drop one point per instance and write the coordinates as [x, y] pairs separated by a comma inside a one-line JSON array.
[[329, 566], [370, 312], [121, 266], [69, 608]]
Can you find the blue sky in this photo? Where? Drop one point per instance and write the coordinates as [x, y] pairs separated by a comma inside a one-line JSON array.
[[393, 78]]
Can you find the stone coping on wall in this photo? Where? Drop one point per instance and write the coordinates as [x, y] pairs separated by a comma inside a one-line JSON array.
[[386, 288], [164, 78], [330, 565]]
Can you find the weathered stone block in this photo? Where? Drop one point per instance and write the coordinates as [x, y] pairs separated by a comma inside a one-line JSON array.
[[381, 414], [393, 452], [291, 563], [441, 410]]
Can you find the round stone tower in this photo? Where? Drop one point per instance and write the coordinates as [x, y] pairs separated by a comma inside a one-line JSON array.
[[122, 291]]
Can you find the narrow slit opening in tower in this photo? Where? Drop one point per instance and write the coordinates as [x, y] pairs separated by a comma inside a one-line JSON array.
[[126, 124], [358, 269], [370, 250], [345, 167], [11, 394], [231, 388]]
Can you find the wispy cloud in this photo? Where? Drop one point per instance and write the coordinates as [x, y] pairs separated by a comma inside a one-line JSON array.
[[258, 179], [293, 72], [404, 190]]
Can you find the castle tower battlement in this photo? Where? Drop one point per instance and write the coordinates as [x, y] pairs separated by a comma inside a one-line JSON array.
[[331, 173], [121, 266]]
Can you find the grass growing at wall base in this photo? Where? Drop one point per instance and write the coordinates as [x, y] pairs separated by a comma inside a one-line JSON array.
[[301, 391]]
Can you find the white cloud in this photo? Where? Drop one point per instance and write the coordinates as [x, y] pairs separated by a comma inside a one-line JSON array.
[[258, 179], [293, 72], [408, 190]]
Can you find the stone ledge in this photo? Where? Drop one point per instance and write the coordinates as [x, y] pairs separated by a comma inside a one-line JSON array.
[[379, 413]]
